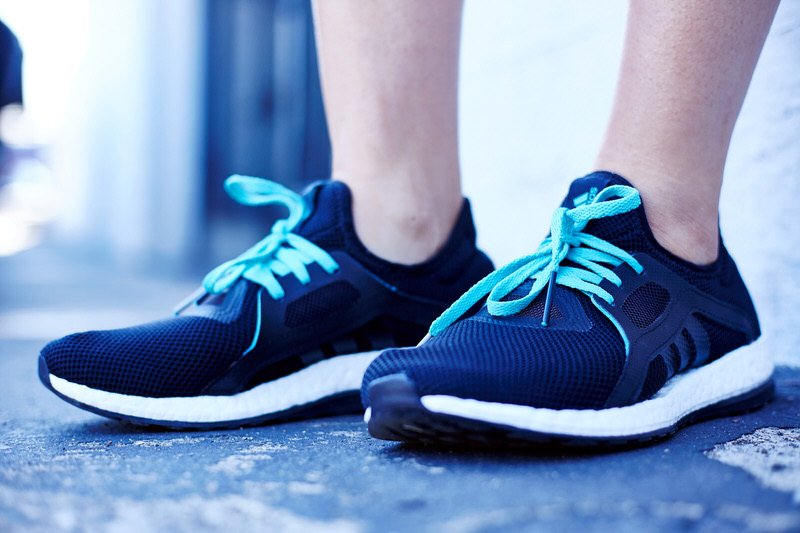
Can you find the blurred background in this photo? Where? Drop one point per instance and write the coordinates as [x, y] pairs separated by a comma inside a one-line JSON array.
[[135, 111]]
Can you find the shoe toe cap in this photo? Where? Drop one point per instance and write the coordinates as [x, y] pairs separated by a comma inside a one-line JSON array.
[[160, 359], [568, 374]]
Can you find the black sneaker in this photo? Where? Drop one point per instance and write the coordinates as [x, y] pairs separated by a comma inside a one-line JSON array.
[[286, 330], [601, 337]]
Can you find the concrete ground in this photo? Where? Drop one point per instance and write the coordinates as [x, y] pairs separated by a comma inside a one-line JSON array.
[[62, 469]]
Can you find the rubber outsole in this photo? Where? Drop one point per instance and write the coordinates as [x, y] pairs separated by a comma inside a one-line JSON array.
[[343, 402], [397, 413]]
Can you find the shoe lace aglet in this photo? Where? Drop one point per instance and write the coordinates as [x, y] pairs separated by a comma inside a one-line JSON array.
[[549, 298]]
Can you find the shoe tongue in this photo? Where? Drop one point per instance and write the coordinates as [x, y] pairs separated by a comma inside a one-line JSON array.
[[620, 230], [330, 208], [563, 298], [584, 189]]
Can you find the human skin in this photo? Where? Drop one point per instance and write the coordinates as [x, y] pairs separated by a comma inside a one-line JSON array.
[[389, 75], [686, 67]]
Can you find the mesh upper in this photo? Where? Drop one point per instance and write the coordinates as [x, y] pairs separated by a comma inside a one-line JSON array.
[[644, 305], [320, 303], [183, 355], [657, 375], [721, 339], [505, 363], [500, 360], [177, 356]]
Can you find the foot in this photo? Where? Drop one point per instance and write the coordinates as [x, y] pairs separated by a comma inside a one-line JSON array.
[[283, 331], [601, 337]]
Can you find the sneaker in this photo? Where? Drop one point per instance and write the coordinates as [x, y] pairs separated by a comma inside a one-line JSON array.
[[286, 330], [601, 337]]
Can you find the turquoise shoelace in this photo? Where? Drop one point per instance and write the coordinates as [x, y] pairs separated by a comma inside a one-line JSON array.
[[588, 254], [278, 254]]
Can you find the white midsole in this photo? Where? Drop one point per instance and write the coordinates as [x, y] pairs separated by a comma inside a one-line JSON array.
[[732, 375], [320, 380]]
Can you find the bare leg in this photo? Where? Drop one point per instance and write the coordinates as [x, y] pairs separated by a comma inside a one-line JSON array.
[[685, 71], [389, 77]]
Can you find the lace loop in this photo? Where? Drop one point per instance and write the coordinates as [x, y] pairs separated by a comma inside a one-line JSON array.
[[587, 255], [280, 253]]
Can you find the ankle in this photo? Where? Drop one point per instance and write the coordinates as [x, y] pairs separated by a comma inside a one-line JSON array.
[[690, 239], [683, 220], [682, 212], [404, 227]]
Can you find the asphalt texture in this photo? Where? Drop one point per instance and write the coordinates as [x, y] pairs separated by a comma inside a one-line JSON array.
[[63, 469]]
